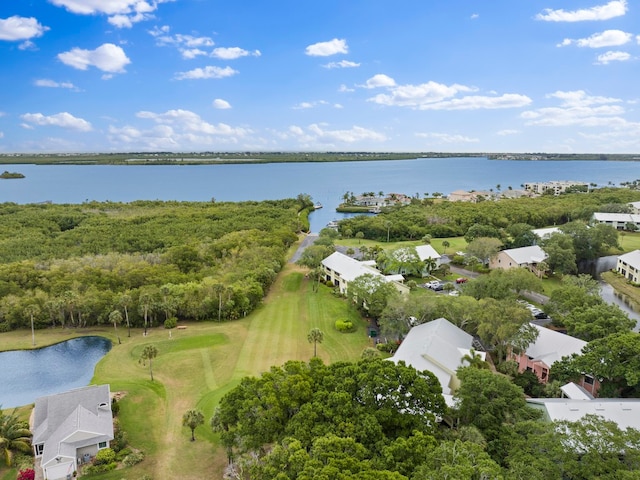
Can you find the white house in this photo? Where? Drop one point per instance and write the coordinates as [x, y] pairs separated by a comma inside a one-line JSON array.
[[545, 233], [555, 186], [439, 347], [618, 221], [635, 207], [341, 269], [624, 412], [427, 251], [629, 266], [69, 428], [527, 257]]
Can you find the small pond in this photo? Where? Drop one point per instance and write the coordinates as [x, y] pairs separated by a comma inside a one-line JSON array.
[[28, 374]]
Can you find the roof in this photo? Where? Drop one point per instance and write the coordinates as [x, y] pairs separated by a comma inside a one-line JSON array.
[[348, 268], [616, 217], [427, 251], [631, 258], [437, 346], [66, 419], [574, 391], [551, 346], [526, 255], [624, 412], [635, 204], [546, 232]]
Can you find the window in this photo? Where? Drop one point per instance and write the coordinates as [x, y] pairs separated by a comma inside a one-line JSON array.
[[102, 445], [588, 380], [39, 448]]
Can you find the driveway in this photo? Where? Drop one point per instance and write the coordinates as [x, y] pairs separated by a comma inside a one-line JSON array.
[[306, 241]]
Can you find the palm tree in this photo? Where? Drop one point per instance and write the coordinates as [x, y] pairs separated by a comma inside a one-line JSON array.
[[14, 436], [32, 310], [388, 225], [315, 336], [124, 301], [115, 317], [149, 353], [430, 264], [474, 360], [193, 419], [445, 245]]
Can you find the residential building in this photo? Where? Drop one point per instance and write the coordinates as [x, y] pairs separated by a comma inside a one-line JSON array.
[[557, 187], [625, 412], [523, 257], [474, 197], [69, 428], [341, 269], [619, 221], [439, 347], [405, 255], [547, 349], [629, 266], [635, 207], [545, 233]]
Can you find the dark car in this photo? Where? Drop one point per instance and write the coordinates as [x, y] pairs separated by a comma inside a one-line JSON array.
[[461, 280], [439, 287]]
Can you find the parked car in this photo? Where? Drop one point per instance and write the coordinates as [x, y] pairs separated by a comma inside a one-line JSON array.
[[454, 293], [461, 280], [432, 284], [439, 287]]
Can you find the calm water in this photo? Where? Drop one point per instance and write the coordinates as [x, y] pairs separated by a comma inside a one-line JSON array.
[[28, 374], [325, 182]]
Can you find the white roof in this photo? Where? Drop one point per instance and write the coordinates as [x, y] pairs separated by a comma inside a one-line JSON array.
[[348, 268], [427, 251], [437, 346], [631, 258], [546, 232], [574, 391], [616, 217], [624, 412], [635, 204], [551, 346], [526, 255]]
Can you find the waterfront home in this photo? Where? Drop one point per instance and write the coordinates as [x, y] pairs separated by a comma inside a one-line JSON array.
[[69, 428], [523, 257], [629, 266], [619, 221], [557, 187], [410, 260], [341, 269], [439, 347], [547, 349], [473, 197]]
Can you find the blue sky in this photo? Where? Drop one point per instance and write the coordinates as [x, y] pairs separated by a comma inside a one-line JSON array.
[[330, 75]]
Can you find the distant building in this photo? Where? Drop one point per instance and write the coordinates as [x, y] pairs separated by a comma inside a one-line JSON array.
[[545, 233], [635, 207], [380, 201], [557, 187], [624, 412], [473, 197], [619, 221], [629, 266], [341, 269]]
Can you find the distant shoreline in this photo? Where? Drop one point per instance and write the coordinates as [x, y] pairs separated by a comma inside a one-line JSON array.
[[229, 158]]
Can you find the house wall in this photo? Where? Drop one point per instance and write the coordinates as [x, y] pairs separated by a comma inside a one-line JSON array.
[[628, 271], [502, 260]]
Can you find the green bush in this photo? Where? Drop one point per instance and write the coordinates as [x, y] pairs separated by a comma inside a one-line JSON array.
[[344, 326], [329, 283], [115, 407], [171, 322], [133, 459], [105, 467], [104, 456], [386, 347], [120, 437]]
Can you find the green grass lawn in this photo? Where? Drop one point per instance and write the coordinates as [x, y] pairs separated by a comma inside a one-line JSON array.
[[455, 244], [198, 365]]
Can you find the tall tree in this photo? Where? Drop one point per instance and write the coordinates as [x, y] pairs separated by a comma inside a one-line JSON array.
[[115, 317], [148, 354], [484, 248], [124, 300], [315, 336], [32, 310], [193, 419]]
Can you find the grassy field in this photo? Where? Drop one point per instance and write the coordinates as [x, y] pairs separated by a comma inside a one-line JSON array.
[[198, 365]]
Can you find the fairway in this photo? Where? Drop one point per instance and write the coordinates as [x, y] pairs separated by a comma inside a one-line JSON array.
[[197, 365]]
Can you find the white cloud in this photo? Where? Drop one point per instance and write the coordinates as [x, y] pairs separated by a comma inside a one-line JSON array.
[[608, 38], [191, 123], [615, 8], [578, 108], [107, 57], [231, 53], [306, 105], [612, 56], [474, 16], [325, 49], [380, 80], [206, 72], [506, 132], [44, 82], [1, 134], [342, 64], [121, 13], [343, 88], [191, 53], [447, 138], [221, 104], [63, 119], [352, 135], [20, 28], [338, 106]]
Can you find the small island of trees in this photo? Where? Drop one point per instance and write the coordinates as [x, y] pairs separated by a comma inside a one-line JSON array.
[[8, 175]]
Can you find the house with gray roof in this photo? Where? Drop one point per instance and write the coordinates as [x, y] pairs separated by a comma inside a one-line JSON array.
[[629, 266], [619, 221], [625, 412], [523, 257], [69, 428], [340, 269], [439, 347]]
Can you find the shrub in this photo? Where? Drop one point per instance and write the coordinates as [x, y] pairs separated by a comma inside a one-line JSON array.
[[412, 284], [104, 456], [123, 453], [120, 438], [508, 367], [26, 474], [132, 459], [329, 283], [344, 326], [171, 322], [386, 347], [115, 407], [105, 467]]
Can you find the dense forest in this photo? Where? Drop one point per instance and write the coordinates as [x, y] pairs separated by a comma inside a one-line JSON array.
[[151, 261], [440, 218]]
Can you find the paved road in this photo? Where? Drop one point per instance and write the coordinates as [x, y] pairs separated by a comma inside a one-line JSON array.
[[308, 240]]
